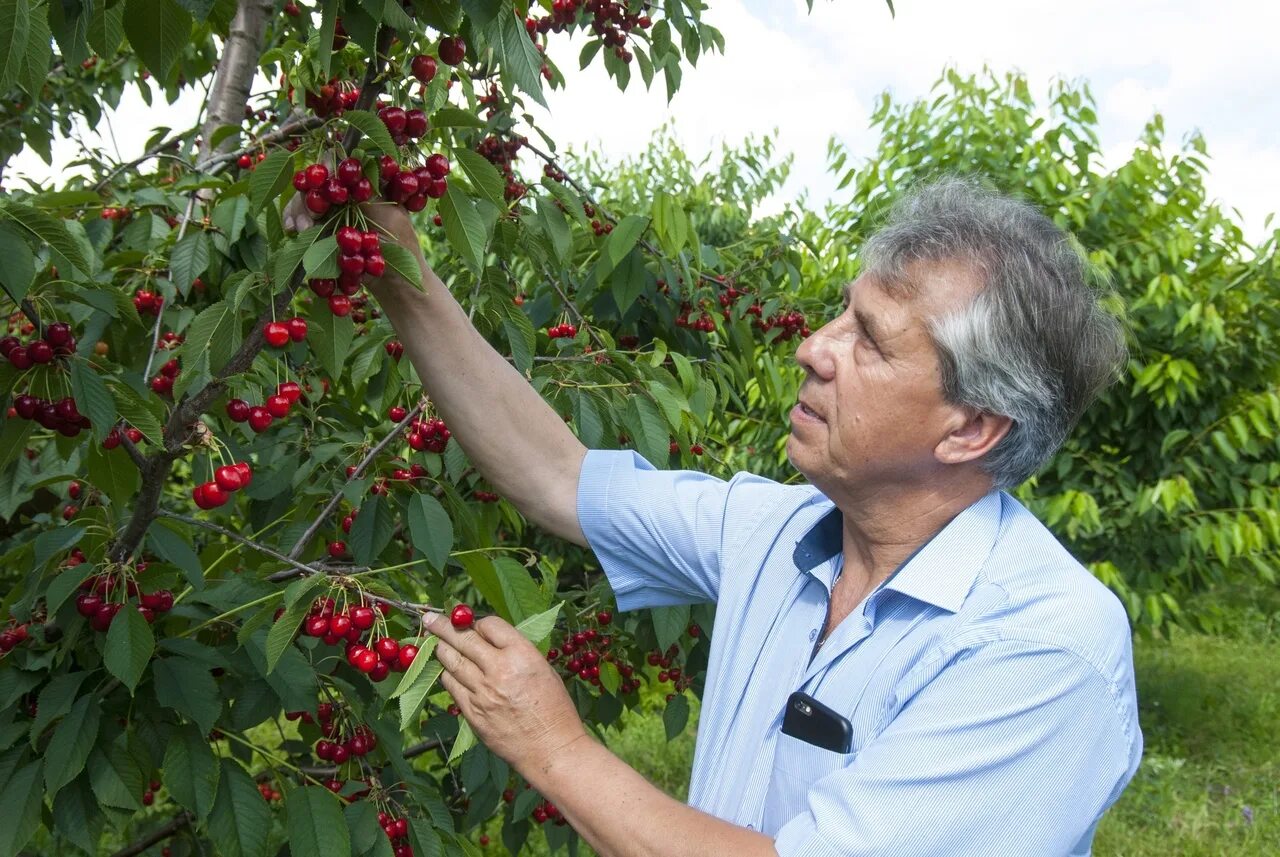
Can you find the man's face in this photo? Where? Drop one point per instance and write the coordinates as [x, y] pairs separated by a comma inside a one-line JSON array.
[[871, 412]]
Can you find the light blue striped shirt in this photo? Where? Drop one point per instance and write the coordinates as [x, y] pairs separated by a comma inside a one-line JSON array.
[[989, 681]]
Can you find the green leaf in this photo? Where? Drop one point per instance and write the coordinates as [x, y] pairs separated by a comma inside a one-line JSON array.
[[287, 257], [241, 820], [465, 741], [35, 68], [54, 701], [76, 815], [172, 546], [373, 129], [522, 338], [50, 543], [282, 632], [214, 332], [270, 178], [519, 61], [188, 688], [372, 531], [321, 258], [92, 397], [17, 263], [620, 242], [13, 439], [115, 777], [136, 410], [403, 263], [557, 228], [676, 715], [113, 473], [648, 429], [129, 647], [69, 747], [464, 228], [191, 770], [330, 339], [15, 21], [455, 117], [482, 174], [610, 678], [537, 629], [430, 528], [317, 827], [523, 595], [70, 26], [49, 229], [22, 799], [159, 31], [628, 280], [413, 696], [106, 29], [485, 578], [189, 259], [669, 623]]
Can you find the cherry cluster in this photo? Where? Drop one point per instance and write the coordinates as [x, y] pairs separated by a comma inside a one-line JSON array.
[[502, 154], [403, 125], [147, 302], [379, 658], [95, 602], [562, 331], [609, 20], [61, 416], [247, 161], [324, 191], [485, 496], [333, 97], [114, 437], [260, 417], [430, 435], [541, 813], [162, 383], [694, 449], [397, 830], [670, 672], [395, 349], [360, 742], [226, 479], [265, 789], [57, 341], [11, 636], [149, 796], [790, 323], [115, 213], [280, 333], [412, 187], [703, 323]]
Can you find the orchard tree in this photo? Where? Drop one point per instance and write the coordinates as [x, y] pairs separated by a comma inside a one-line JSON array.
[[226, 502]]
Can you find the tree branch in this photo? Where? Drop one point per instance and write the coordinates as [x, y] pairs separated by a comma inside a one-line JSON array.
[[236, 68]]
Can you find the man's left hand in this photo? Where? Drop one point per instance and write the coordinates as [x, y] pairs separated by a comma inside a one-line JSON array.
[[511, 696]]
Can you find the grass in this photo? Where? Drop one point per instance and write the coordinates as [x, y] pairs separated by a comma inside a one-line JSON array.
[[1209, 783]]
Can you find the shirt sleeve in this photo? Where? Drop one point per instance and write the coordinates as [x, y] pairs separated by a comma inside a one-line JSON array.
[[657, 533], [1011, 749]]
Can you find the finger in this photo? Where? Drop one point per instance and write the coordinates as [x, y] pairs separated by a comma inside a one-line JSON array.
[[499, 632], [460, 694], [459, 667], [466, 640]]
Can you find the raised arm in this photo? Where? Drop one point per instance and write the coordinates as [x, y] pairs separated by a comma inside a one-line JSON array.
[[513, 437]]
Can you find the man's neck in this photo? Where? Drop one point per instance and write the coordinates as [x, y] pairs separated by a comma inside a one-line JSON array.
[[883, 529]]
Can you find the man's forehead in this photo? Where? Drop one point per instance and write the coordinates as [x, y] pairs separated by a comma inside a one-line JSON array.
[[926, 289]]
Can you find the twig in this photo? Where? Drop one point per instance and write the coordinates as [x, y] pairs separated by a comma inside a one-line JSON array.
[[371, 86], [319, 522], [156, 836], [223, 531]]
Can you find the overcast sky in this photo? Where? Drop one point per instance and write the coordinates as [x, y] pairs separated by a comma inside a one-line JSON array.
[[813, 75]]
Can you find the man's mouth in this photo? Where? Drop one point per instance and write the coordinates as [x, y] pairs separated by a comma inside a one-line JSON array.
[[808, 411]]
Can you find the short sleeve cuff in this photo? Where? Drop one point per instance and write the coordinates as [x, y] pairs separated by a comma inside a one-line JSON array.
[[608, 478]]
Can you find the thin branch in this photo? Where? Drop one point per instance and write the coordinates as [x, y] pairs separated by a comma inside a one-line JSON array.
[[371, 86], [156, 836], [301, 544]]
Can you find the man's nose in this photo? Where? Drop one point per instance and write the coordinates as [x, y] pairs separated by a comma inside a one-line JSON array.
[[814, 354]]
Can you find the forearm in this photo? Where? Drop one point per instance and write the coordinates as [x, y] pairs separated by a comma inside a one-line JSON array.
[[621, 814], [512, 436]]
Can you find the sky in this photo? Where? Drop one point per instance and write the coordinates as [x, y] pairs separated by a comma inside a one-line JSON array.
[[815, 75]]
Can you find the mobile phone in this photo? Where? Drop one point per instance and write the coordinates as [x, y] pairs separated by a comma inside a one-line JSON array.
[[816, 724]]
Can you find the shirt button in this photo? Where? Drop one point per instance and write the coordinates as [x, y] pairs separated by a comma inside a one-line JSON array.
[[813, 635], [751, 827]]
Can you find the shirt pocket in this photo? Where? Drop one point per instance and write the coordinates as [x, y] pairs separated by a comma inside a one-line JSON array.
[[797, 765]]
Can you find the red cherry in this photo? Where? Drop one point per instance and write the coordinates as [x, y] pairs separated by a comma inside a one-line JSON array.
[[423, 68], [317, 203], [351, 263], [214, 495], [462, 615], [339, 305], [277, 334], [452, 50], [339, 625], [406, 184], [335, 192], [260, 419], [87, 605], [278, 406], [300, 181], [371, 244], [349, 172], [316, 626], [297, 328], [362, 617], [323, 286], [375, 265], [338, 549], [380, 671], [395, 413], [349, 238], [40, 352], [415, 124], [317, 175], [246, 472], [362, 190], [388, 168], [134, 435], [58, 334], [394, 118], [238, 410], [438, 165], [406, 655], [20, 359], [417, 202], [228, 478], [387, 648], [290, 390]]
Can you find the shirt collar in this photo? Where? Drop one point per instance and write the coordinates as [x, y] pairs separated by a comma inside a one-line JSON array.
[[941, 572]]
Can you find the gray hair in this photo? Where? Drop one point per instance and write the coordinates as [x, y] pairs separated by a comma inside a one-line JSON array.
[[1035, 344]]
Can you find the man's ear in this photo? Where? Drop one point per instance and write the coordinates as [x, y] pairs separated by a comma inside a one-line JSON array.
[[973, 434]]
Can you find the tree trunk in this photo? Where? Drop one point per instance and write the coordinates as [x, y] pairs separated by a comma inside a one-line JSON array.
[[236, 70]]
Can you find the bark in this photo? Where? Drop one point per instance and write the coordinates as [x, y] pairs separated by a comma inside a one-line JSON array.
[[236, 70]]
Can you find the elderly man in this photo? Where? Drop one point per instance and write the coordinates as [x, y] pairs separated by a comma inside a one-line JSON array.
[[960, 683]]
